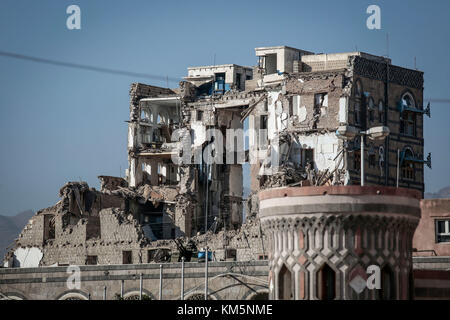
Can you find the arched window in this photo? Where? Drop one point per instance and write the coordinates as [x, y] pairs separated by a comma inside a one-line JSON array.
[[285, 284], [408, 169], [326, 283], [408, 117], [387, 291]]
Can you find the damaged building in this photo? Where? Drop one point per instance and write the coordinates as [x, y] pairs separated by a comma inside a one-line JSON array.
[[288, 107]]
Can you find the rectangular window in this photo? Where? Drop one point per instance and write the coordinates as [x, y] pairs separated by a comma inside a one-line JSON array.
[[219, 84], [307, 157], [263, 122], [127, 257], [357, 113], [49, 227], [372, 161], [199, 115], [357, 160], [93, 229], [91, 260], [238, 81], [408, 124], [230, 254], [408, 172], [321, 100], [442, 231]]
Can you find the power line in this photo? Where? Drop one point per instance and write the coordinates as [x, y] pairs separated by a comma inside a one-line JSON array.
[[87, 67]]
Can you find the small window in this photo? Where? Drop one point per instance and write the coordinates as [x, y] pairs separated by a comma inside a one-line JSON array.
[[372, 161], [91, 260], [357, 160], [408, 171], [408, 117], [230, 254], [357, 113], [263, 122], [381, 112], [219, 84], [127, 257], [263, 257], [199, 115], [49, 227], [321, 100], [307, 157], [408, 123], [442, 231], [238, 81], [358, 89], [93, 228]]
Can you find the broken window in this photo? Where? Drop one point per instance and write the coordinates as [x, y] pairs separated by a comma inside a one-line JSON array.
[[219, 83], [49, 227], [91, 260], [127, 257], [263, 122], [285, 284], [307, 157], [271, 63], [321, 100], [230, 254], [238, 81], [326, 283], [199, 115], [93, 228]]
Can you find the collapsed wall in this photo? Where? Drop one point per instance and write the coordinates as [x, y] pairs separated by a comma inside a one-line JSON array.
[[92, 227]]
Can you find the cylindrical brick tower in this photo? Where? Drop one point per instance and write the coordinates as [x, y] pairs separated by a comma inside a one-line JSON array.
[[329, 242]]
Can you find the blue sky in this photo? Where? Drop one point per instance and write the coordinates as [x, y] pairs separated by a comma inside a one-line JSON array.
[[59, 124]]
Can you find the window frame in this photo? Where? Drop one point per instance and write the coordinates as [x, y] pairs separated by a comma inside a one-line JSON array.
[[446, 232]]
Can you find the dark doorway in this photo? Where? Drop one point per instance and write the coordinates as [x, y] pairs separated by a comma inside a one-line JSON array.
[[326, 283]]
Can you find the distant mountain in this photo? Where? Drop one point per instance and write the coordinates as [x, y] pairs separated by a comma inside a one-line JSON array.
[[443, 193], [10, 228]]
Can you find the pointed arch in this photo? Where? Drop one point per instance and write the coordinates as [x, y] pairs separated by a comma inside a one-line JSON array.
[[285, 284]]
